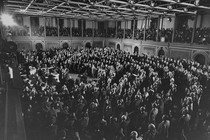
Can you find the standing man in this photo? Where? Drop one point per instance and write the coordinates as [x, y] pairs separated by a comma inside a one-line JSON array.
[[11, 74]]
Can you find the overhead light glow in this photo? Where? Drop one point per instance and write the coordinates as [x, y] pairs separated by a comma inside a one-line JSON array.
[[7, 20]]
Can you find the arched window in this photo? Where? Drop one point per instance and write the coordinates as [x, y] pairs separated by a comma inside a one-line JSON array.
[[39, 46], [161, 52], [118, 46], [88, 45], [136, 50], [65, 45], [200, 58], [11, 46]]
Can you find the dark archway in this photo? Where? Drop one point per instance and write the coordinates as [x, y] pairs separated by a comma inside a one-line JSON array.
[[161, 52], [118, 46], [88, 45], [39, 46], [10, 46], [2, 44], [200, 58], [136, 50], [65, 45]]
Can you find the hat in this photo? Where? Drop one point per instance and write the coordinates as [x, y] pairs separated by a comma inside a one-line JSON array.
[[134, 134], [151, 126]]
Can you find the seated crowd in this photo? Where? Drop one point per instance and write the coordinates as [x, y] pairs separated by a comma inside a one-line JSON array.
[[88, 32], [182, 35], [99, 32], [37, 31], [51, 31], [76, 32], [111, 32], [64, 31], [202, 36], [18, 31], [117, 96], [120, 33]]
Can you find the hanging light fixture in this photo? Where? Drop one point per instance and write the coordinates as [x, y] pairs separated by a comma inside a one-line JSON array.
[[185, 10], [113, 5], [197, 2], [164, 13], [107, 2], [152, 4], [133, 8], [169, 19], [92, 2], [150, 11], [169, 7], [131, 2]]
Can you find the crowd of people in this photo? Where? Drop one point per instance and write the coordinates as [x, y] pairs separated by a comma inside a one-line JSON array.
[[181, 35], [128, 33], [38, 31], [88, 32], [116, 96], [120, 33], [111, 32], [18, 31], [139, 34], [76, 32], [202, 36], [99, 33], [64, 31], [51, 31]]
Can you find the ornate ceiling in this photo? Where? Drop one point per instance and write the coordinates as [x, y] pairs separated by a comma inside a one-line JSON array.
[[106, 9]]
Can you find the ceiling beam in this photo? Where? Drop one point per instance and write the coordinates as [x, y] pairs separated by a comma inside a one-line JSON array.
[[155, 7], [29, 5], [55, 7], [187, 4]]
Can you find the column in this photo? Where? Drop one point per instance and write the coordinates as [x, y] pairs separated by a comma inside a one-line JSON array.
[[124, 30], [58, 27], [194, 28], [82, 28], [93, 27], [133, 28], [201, 21], [45, 33], [174, 29], [145, 28], [106, 28], [158, 27], [116, 29], [70, 23], [30, 26], [161, 24]]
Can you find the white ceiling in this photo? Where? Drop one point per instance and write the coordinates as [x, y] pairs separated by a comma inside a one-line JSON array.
[[104, 9]]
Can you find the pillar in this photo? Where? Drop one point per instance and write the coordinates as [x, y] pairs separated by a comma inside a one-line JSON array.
[[116, 29], [158, 27], [145, 28], [124, 30], [194, 28], [133, 28], [174, 29]]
